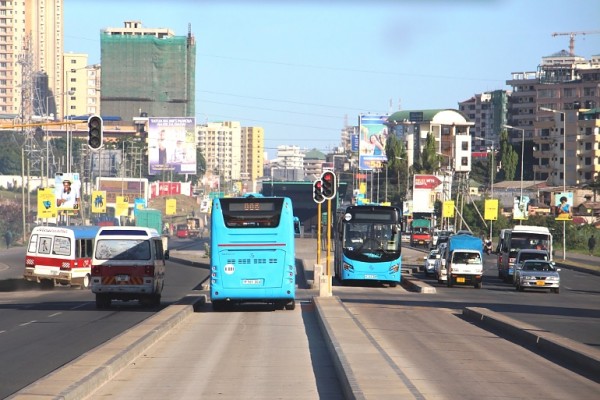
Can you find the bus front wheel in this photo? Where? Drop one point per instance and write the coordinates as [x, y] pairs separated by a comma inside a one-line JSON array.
[[291, 305]]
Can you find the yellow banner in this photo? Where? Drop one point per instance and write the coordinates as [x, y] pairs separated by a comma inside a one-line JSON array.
[[99, 201], [448, 209], [171, 207], [46, 203], [491, 210], [122, 206]]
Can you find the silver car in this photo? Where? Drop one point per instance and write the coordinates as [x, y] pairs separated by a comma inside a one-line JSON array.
[[538, 274], [430, 260]]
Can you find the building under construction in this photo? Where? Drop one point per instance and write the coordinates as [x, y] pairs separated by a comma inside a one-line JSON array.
[[147, 72]]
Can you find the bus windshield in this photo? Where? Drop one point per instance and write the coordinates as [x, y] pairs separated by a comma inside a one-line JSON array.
[[371, 239], [520, 241]]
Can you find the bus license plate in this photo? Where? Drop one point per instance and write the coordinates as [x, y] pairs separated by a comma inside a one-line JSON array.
[[370, 276], [539, 283], [122, 278], [251, 281], [460, 280]]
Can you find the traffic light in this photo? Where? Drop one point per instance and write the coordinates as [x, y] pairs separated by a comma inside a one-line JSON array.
[[318, 192], [95, 135], [329, 184]]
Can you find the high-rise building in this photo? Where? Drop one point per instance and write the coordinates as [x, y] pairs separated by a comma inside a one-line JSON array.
[[488, 111], [252, 157], [219, 143], [566, 138], [82, 87], [31, 46], [147, 72]]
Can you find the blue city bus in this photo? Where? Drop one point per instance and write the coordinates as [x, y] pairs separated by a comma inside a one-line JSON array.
[[367, 242], [252, 253]]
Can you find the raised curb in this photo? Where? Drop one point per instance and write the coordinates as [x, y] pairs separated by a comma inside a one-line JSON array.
[[416, 285], [84, 375], [362, 370], [585, 358]]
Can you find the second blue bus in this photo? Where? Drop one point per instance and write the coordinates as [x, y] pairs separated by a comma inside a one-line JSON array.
[[252, 253], [368, 244]]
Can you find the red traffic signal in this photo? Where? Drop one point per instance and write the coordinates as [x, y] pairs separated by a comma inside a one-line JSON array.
[[329, 184], [318, 192], [95, 135]]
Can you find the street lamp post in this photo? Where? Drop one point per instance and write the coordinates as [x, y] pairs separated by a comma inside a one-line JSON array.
[[492, 167], [564, 127], [522, 162]]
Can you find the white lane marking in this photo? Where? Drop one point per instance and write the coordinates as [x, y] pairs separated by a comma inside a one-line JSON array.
[[54, 315], [28, 323], [79, 306]]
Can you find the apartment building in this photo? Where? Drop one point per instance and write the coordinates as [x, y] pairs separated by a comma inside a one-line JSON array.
[[488, 111], [147, 70], [31, 43], [82, 88], [252, 156], [288, 166], [220, 143], [557, 108]]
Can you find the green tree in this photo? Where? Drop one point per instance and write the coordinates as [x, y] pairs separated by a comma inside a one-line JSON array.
[[398, 167], [10, 156], [508, 158], [430, 160]]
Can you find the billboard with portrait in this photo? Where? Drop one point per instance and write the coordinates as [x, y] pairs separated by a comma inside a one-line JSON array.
[[373, 134], [563, 206], [67, 190], [172, 145]]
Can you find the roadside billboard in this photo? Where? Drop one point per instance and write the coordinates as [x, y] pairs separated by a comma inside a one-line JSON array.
[[425, 188], [373, 134], [67, 189], [172, 145]]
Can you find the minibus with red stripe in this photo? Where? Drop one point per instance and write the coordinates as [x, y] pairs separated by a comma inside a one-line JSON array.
[[252, 252], [128, 264], [60, 255]]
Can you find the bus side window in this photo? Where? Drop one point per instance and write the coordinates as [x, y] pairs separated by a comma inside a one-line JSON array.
[[32, 244]]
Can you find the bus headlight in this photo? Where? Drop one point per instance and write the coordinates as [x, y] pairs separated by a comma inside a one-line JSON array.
[[394, 268], [348, 267]]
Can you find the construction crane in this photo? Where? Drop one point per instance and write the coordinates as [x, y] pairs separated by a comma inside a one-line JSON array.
[[572, 38]]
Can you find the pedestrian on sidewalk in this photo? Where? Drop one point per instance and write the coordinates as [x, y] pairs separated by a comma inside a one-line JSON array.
[[591, 244], [8, 236]]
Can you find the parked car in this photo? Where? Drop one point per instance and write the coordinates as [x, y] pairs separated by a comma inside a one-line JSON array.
[[538, 274], [430, 260], [528, 254]]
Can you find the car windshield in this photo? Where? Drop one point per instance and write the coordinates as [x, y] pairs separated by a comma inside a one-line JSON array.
[[537, 266]]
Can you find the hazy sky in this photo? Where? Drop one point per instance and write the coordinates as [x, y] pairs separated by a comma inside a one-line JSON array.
[[304, 69]]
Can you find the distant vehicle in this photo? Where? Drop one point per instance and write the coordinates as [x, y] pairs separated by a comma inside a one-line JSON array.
[[430, 261], [193, 227], [420, 233], [518, 238], [252, 251], [538, 274], [439, 269], [128, 264], [182, 231], [60, 254], [368, 244], [528, 254]]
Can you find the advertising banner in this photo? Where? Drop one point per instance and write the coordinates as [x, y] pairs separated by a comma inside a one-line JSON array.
[[563, 203], [491, 210], [172, 145], [67, 188], [46, 203], [122, 206], [521, 208], [99, 201], [171, 206], [372, 140], [425, 188], [448, 209]]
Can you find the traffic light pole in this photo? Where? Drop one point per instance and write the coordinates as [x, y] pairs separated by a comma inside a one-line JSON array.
[[329, 291], [318, 233]]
